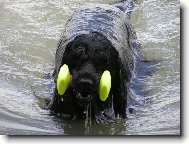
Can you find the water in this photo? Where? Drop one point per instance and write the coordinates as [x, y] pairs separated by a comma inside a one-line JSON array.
[[30, 31]]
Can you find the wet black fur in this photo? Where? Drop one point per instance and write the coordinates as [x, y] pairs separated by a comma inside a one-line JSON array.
[[87, 57]]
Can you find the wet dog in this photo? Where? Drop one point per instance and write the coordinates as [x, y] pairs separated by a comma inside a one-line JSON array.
[[95, 39]]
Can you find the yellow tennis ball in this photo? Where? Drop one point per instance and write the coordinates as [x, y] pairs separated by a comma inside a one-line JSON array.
[[63, 80], [105, 85]]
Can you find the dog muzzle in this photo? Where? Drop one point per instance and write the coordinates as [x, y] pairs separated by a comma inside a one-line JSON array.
[[64, 79]]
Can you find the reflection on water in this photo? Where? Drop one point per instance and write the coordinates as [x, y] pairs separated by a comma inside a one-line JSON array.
[[29, 33]]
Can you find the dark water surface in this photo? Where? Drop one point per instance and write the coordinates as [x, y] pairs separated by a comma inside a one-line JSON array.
[[29, 32]]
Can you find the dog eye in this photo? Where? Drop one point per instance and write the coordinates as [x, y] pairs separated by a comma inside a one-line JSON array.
[[78, 53], [78, 56]]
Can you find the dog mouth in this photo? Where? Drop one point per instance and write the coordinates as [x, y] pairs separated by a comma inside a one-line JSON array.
[[85, 86], [83, 98]]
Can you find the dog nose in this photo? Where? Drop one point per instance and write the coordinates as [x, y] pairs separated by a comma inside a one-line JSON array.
[[86, 82]]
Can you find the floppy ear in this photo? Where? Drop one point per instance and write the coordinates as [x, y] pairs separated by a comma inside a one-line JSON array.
[[61, 57], [56, 104], [119, 87]]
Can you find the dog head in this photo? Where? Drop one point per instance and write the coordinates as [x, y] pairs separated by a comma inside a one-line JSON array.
[[87, 57]]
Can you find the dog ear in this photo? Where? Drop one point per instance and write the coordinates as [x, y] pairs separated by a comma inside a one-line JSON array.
[[66, 55], [62, 57], [119, 87]]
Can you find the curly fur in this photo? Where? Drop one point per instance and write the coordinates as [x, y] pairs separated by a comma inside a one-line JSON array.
[[88, 56]]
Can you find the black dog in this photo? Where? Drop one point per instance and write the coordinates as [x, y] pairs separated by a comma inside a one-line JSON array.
[[96, 39]]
